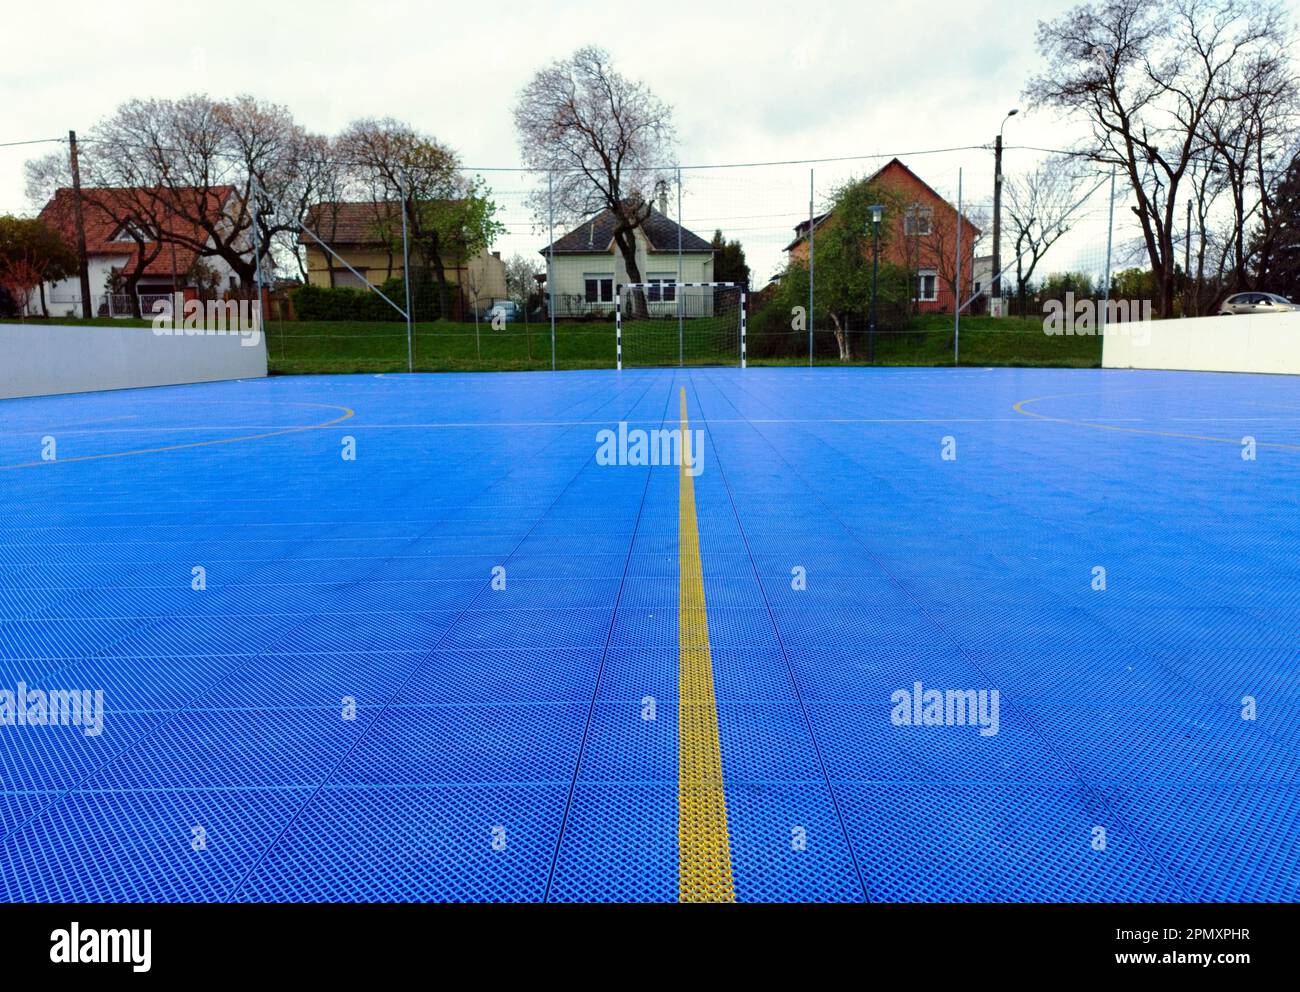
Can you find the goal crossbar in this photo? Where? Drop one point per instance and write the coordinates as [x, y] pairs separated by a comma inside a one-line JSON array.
[[647, 287]]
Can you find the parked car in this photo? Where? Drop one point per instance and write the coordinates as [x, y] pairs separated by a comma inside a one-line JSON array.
[[1256, 303], [506, 310]]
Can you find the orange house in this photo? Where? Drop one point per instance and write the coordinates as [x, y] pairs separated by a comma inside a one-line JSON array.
[[922, 239]]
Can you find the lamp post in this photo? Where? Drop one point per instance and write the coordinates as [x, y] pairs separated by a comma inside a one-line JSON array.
[[997, 207], [877, 211]]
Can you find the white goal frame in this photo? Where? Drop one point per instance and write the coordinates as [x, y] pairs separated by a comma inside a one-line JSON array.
[[618, 309]]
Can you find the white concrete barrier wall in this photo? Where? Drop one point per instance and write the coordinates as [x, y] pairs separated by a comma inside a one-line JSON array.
[[42, 359], [1255, 343]]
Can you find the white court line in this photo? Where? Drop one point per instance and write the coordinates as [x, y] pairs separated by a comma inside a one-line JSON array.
[[517, 424]]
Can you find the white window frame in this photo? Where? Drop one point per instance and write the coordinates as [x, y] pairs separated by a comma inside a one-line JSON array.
[[126, 232], [933, 275], [662, 287], [601, 279]]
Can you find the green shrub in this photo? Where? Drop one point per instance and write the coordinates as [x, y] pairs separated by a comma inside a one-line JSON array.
[[345, 303]]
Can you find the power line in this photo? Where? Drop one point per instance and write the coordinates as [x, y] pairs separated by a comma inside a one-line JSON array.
[[540, 171]]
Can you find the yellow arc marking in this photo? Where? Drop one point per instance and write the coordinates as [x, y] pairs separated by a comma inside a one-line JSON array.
[[1020, 408], [347, 413], [704, 845]]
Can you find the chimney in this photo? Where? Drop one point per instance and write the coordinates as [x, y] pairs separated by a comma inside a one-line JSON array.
[[663, 200]]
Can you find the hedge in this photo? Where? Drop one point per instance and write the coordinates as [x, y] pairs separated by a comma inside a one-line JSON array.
[[345, 303]]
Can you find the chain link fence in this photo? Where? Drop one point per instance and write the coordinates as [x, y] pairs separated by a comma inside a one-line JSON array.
[[888, 260]]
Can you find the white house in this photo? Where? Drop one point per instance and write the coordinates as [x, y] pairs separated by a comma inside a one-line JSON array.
[[114, 234], [587, 266]]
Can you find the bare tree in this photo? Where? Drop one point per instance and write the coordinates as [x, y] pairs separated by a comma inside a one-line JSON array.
[[449, 216], [181, 157], [937, 248], [1039, 204], [1250, 131], [604, 140], [1145, 74], [521, 280], [329, 181]]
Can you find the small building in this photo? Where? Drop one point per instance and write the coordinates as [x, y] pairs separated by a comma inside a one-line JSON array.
[[368, 235], [588, 265]]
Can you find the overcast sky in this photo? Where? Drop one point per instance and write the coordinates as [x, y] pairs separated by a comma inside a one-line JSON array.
[[750, 82]]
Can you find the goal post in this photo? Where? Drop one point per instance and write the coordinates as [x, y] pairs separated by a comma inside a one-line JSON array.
[[663, 322]]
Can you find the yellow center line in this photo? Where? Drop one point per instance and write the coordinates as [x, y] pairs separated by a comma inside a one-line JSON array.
[[347, 413], [1020, 408], [704, 845]]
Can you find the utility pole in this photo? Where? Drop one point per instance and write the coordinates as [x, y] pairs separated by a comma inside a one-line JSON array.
[[997, 209], [83, 267], [1187, 260]]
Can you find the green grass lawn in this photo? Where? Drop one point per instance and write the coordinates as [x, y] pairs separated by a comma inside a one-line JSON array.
[[300, 347], [1011, 341]]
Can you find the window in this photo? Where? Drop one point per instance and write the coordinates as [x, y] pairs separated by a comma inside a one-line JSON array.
[[916, 221], [347, 279], [926, 286], [663, 287], [599, 287], [131, 231]]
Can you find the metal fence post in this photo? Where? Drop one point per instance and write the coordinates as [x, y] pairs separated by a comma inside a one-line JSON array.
[[618, 326], [257, 253], [677, 290], [550, 259], [956, 296], [742, 327], [406, 280], [811, 194], [1110, 234]]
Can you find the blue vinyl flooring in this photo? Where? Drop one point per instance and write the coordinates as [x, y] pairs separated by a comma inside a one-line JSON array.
[[499, 749]]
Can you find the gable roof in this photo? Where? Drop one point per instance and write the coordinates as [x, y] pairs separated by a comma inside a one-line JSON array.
[[801, 229], [354, 224], [596, 236], [100, 206]]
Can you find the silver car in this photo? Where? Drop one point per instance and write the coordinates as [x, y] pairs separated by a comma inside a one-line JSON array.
[[1256, 303]]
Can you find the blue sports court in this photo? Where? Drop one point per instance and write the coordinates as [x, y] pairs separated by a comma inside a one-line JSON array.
[[404, 638]]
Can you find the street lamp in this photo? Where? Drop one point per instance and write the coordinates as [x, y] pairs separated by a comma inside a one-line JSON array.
[[877, 211], [997, 207]]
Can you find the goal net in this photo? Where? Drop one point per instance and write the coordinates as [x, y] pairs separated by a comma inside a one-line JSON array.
[[668, 323]]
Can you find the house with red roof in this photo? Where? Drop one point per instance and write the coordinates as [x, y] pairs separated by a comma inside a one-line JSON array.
[[923, 239], [127, 253]]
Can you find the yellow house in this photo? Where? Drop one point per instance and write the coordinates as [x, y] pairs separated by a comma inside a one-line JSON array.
[[587, 267], [368, 235]]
